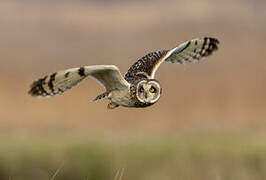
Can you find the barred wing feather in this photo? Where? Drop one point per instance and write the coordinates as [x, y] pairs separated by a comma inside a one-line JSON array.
[[107, 75]]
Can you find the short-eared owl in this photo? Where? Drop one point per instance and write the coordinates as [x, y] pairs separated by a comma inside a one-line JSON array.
[[138, 88]]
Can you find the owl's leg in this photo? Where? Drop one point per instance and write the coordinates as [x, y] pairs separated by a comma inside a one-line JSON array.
[[112, 105]]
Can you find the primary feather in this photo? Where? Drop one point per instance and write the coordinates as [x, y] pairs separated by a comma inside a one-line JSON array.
[[189, 51], [107, 75]]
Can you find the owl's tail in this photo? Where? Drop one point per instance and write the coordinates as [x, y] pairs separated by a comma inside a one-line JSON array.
[[101, 96]]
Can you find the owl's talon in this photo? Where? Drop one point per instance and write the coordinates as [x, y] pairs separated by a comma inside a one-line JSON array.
[[112, 106]]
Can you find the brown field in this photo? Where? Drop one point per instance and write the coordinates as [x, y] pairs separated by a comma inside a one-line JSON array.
[[209, 123]]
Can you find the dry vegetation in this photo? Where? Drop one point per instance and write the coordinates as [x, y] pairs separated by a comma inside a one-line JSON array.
[[222, 98]]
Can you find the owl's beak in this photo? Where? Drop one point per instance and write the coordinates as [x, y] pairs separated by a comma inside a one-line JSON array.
[[146, 95]]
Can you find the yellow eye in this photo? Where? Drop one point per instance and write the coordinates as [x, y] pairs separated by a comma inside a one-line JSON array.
[[152, 90], [141, 89]]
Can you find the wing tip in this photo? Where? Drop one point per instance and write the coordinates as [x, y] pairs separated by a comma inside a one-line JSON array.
[[36, 89], [209, 46], [214, 41]]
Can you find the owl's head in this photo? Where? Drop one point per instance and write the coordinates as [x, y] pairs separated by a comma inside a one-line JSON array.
[[148, 91]]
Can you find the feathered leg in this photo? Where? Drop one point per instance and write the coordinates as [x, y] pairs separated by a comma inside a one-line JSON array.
[[112, 105]]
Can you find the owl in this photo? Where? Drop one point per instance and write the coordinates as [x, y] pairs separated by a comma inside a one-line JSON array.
[[138, 88]]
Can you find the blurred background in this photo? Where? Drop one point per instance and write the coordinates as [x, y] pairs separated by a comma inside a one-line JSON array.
[[209, 123]]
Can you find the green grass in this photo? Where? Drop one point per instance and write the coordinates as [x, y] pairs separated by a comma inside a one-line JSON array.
[[188, 156]]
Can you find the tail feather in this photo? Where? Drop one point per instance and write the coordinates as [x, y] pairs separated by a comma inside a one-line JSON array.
[[101, 96]]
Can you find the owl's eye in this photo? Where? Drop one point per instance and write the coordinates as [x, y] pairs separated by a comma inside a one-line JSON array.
[[152, 90], [141, 89]]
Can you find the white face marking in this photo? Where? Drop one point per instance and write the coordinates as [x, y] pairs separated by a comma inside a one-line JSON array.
[[148, 91]]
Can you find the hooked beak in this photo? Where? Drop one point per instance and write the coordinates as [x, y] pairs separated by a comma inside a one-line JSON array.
[[145, 95]]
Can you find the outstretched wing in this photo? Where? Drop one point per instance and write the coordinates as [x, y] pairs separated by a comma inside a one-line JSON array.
[[190, 51], [57, 83]]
